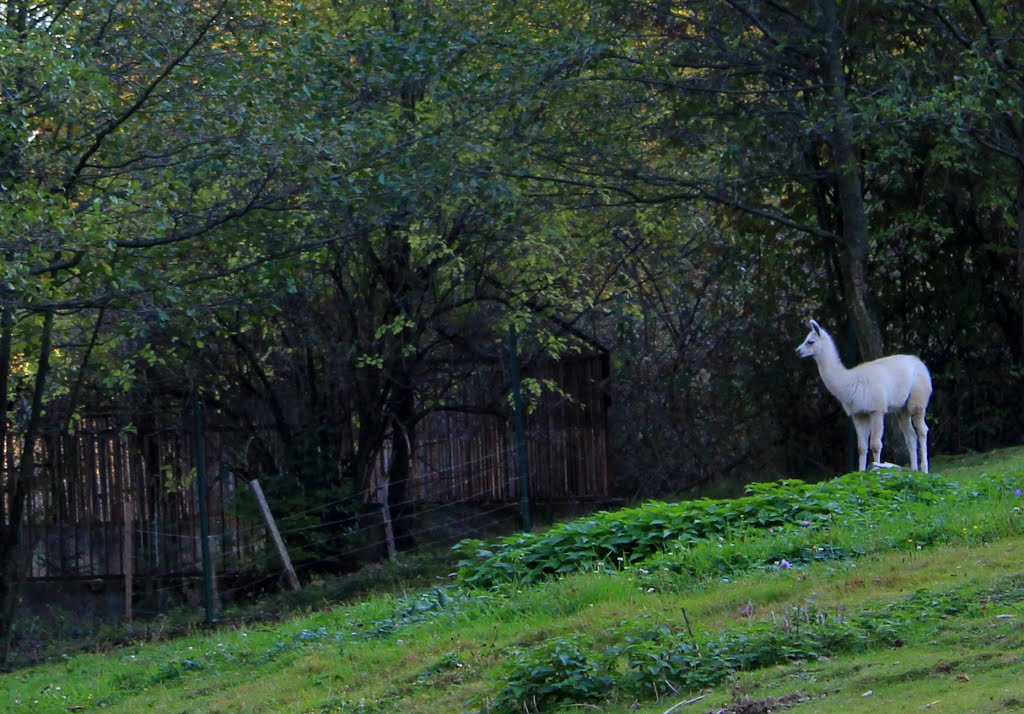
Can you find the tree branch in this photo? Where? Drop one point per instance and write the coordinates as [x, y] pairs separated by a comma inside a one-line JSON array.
[[140, 101]]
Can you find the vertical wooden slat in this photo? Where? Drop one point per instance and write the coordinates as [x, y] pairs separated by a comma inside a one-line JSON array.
[[106, 512], [89, 453], [128, 558]]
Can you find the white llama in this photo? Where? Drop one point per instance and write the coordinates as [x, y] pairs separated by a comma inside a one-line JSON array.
[[897, 383]]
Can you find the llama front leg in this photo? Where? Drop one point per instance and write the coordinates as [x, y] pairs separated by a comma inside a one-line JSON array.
[[862, 423]]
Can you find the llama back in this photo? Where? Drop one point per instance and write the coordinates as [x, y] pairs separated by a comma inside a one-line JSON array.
[[902, 380]]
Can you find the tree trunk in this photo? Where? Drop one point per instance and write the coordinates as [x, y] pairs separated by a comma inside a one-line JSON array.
[[1020, 253], [856, 292], [403, 288], [854, 248], [403, 434], [8, 549], [853, 258], [10, 541], [6, 337]]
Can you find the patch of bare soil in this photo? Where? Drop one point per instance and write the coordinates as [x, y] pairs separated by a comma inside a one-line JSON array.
[[762, 706]]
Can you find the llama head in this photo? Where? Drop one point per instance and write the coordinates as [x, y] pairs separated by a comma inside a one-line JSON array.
[[815, 339]]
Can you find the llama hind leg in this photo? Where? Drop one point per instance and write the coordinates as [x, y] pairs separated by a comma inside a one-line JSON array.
[[917, 417], [907, 427], [877, 422]]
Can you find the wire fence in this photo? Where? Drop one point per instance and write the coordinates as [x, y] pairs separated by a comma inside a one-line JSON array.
[[162, 557], [114, 511], [353, 540]]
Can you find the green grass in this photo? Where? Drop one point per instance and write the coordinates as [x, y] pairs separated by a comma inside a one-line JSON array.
[[923, 600]]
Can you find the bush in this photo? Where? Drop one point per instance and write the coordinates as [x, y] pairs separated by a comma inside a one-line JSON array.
[[610, 541], [661, 660]]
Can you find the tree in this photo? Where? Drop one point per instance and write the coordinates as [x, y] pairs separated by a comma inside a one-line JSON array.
[[769, 100], [980, 101], [423, 235], [109, 172]]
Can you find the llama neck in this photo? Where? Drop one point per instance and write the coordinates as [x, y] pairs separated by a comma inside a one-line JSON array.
[[830, 367]]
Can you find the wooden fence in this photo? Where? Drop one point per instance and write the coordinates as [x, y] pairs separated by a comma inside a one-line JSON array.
[[108, 502], [464, 457]]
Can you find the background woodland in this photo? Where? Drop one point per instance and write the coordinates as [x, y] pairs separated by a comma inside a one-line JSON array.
[[322, 217]]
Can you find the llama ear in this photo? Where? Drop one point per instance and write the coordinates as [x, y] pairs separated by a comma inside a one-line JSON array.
[[816, 327]]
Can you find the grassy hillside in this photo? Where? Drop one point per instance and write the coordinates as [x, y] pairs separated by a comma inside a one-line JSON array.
[[866, 593]]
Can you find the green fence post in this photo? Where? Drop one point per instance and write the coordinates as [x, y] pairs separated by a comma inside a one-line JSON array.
[[204, 516], [525, 507]]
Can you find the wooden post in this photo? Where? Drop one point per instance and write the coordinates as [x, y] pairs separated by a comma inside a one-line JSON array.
[[385, 514], [289, 571], [128, 554]]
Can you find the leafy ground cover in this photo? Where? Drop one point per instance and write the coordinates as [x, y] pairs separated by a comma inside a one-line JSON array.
[[864, 593], [788, 516]]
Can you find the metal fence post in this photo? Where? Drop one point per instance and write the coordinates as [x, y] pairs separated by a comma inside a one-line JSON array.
[[204, 516], [525, 506]]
